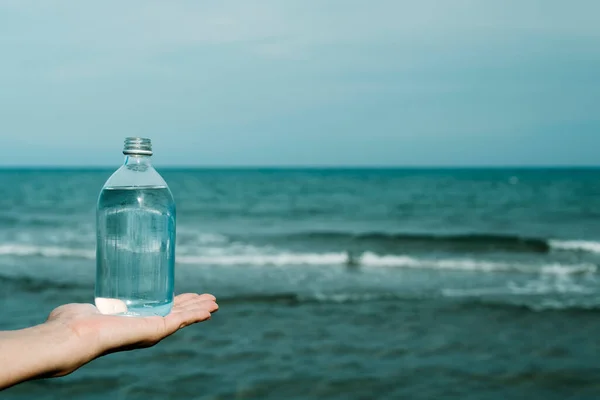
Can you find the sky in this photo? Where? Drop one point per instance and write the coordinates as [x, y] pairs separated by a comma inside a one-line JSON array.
[[301, 82]]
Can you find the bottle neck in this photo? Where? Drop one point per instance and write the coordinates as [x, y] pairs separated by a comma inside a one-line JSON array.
[[137, 160]]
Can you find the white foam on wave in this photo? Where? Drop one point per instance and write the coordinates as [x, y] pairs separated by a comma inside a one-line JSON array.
[[371, 259], [576, 245], [232, 249], [350, 297], [533, 288], [44, 251], [562, 269], [249, 255], [375, 260], [279, 259], [202, 238], [211, 238]]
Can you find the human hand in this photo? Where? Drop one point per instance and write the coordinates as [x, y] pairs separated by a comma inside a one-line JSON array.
[[95, 334]]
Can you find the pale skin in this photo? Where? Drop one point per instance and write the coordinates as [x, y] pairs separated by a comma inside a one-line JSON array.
[[76, 334]]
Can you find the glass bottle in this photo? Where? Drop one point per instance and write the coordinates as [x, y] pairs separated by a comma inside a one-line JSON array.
[[135, 247]]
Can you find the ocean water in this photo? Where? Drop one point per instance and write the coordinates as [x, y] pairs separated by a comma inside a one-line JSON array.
[[334, 284]]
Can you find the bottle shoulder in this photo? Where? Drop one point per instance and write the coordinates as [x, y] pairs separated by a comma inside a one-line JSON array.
[[131, 176]]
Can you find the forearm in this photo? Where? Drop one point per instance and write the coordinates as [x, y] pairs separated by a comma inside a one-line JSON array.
[[39, 351]]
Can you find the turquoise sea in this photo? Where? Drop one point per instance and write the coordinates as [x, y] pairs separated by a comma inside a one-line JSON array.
[[334, 283]]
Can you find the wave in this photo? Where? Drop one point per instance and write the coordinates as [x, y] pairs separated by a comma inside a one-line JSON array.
[[471, 242], [253, 256], [517, 301], [29, 221], [467, 264], [570, 305], [514, 301], [533, 288], [279, 259], [45, 251], [374, 260], [464, 241], [191, 236], [291, 298], [576, 245], [37, 285], [526, 297]]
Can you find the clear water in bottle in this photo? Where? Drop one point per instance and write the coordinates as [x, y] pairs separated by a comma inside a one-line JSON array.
[[135, 241]]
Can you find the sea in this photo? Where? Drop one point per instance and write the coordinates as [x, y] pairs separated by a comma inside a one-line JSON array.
[[334, 283]]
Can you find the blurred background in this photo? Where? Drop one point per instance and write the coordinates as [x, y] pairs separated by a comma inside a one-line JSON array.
[[390, 199]]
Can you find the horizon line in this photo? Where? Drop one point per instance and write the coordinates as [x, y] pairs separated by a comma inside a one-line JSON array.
[[300, 167]]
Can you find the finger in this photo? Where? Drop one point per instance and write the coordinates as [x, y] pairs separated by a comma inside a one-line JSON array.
[[209, 305], [182, 298], [186, 298], [194, 300], [208, 296], [180, 320], [214, 307]]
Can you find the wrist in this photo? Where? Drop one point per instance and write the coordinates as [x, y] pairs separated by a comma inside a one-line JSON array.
[[57, 344], [71, 349]]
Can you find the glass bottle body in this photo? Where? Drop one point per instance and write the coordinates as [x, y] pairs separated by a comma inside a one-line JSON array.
[[135, 249]]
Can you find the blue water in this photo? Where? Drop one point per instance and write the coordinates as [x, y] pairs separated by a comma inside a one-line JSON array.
[[135, 251], [335, 284]]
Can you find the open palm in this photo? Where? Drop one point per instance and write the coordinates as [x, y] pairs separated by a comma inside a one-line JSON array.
[[97, 334]]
